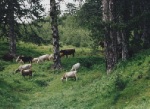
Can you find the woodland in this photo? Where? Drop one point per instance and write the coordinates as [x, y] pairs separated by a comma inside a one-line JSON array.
[[111, 39]]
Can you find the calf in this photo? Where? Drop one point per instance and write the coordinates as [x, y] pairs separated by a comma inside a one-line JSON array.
[[67, 52], [23, 67], [24, 59], [75, 67], [27, 72], [71, 74]]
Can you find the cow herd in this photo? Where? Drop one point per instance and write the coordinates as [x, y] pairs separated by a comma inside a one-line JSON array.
[[26, 70], [26, 63]]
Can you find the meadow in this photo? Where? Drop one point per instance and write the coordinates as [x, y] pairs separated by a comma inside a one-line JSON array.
[[127, 87]]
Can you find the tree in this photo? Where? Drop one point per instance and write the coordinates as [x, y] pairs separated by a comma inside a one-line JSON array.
[[90, 16], [110, 39], [71, 8], [54, 27], [11, 12], [11, 32]]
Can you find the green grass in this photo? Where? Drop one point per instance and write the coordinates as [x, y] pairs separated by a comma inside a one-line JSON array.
[[128, 87]]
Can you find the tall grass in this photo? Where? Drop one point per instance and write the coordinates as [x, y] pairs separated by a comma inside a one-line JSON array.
[[127, 87]]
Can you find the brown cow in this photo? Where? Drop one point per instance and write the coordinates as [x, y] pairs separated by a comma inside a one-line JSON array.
[[67, 52]]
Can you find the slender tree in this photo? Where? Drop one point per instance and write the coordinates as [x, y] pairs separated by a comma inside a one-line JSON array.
[[11, 32], [54, 27]]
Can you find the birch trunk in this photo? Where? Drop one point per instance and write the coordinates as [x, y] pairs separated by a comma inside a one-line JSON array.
[[54, 27]]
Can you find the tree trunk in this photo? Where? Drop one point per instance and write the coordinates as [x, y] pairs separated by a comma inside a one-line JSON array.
[[11, 32], [110, 34], [125, 31], [145, 25], [125, 54], [54, 27], [145, 38]]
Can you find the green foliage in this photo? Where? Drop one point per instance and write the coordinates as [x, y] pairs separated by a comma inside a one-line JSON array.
[[90, 16], [37, 32], [69, 31], [73, 34], [31, 12]]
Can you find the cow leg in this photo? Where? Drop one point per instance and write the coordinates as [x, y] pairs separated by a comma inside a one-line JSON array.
[[76, 77]]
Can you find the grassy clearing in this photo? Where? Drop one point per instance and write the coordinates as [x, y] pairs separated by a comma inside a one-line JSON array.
[[126, 88]]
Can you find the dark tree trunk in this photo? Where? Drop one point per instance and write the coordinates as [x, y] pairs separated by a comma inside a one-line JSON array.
[[54, 27], [110, 34], [119, 44], [145, 24], [11, 32], [145, 38], [125, 32]]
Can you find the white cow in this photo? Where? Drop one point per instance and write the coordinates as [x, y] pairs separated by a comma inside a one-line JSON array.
[[51, 57], [71, 74], [23, 67], [75, 67], [43, 58], [35, 60]]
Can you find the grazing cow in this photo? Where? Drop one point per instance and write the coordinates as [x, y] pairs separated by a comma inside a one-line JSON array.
[[27, 72], [51, 57], [71, 74], [23, 67], [75, 67], [67, 52], [45, 57], [8, 57], [24, 59], [35, 60]]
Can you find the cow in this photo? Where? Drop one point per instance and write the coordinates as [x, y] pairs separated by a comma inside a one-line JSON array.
[[45, 57], [24, 59], [75, 67], [35, 60], [67, 52], [27, 72], [71, 74], [51, 56], [23, 67]]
